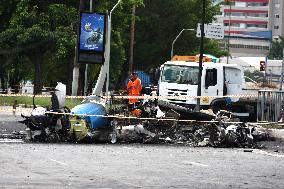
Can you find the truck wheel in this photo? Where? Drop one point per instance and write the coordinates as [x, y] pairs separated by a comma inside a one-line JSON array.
[[218, 105]]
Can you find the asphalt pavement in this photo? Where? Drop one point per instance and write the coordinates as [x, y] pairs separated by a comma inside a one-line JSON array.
[[136, 166], [40, 166]]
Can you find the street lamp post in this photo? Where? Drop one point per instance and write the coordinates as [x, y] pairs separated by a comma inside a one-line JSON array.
[[108, 46], [229, 35], [173, 43]]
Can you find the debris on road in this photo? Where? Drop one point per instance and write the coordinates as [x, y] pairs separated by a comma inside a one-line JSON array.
[[89, 122], [223, 131]]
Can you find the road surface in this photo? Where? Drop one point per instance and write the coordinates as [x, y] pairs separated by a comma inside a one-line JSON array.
[[136, 166], [40, 166]]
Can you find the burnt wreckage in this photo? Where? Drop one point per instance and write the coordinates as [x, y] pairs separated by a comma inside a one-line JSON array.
[[223, 129], [90, 122]]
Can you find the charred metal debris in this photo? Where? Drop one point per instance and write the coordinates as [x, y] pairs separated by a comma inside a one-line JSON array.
[[223, 130], [145, 123]]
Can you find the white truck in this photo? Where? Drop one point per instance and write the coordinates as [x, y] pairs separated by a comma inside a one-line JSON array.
[[179, 78]]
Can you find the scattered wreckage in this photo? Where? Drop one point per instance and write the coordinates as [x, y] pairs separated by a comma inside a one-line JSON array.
[[146, 123], [49, 124], [219, 132]]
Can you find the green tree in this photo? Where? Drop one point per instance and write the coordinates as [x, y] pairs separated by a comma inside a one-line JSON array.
[[160, 22], [276, 51], [255, 75], [7, 8], [45, 33], [37, 38], [42, 32]]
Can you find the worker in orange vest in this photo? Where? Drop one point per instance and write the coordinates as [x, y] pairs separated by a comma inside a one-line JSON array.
[[134, 87]]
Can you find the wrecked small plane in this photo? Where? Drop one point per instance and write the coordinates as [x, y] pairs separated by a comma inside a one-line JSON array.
[[49, 124], [89, 122], [85, 122]]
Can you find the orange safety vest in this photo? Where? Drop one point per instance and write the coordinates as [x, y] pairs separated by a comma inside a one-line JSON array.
[[134, 89]]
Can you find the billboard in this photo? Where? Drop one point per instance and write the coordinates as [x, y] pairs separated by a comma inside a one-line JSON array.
[[91, 40]]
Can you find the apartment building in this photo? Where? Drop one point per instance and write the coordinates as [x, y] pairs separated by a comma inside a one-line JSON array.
[[251, 25], [276, 17]]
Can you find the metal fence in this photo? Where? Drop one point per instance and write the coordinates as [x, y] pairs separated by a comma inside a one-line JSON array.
[[270, 106]]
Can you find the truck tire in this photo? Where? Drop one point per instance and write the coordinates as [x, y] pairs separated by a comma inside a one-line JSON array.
[[218, 104]]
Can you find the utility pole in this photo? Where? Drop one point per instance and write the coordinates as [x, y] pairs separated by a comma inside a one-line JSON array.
[[282, 72], [8, 81], [87, 65], [229, 35], [132, 37], [75, 79], [201, 57]]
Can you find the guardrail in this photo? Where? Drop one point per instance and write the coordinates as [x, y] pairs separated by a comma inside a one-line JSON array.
[[270, 106]]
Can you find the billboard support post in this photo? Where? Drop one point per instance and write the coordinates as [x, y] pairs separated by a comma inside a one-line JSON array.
[[87, 65]]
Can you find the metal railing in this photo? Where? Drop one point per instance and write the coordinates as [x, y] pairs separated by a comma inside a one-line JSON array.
[[270, 106]]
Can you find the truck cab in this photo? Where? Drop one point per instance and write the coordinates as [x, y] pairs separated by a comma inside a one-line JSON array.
[[179, 78]]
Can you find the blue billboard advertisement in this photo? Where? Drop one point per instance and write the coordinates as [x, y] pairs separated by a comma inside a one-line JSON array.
[[91, 43]]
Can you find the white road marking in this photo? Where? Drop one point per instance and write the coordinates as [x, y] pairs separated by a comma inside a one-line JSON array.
[[195, 163], [262, 152], [59, 162]]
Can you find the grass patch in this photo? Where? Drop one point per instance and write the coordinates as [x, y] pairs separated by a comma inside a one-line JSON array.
[[39, 101], [273, 126]]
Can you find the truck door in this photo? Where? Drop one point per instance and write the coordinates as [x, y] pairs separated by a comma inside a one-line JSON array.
[[213, 84], [234, 81]]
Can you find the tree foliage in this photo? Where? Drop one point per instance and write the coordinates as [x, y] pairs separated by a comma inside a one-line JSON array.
[[42, 32], [38, 38], [161, 21], [7, 8], [276, 51], [256, 76]]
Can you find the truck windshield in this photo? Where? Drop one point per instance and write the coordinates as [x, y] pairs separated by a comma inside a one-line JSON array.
[[180, 74]]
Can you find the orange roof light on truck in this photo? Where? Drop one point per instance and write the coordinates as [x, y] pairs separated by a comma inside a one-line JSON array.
[[190, 58]]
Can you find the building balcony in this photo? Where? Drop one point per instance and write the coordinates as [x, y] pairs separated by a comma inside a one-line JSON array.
[[258, 8], [246, 19]]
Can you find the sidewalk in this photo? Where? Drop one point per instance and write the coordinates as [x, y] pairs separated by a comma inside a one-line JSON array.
[[8, 110]]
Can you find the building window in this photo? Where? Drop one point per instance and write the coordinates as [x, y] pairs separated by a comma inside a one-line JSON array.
[[276, 27], [256, 25], [240, 46], [277, 5], [235, 14], [275, 38], [239, 4], [262, 15], [276, 16], [237, 25], [251, 4]]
